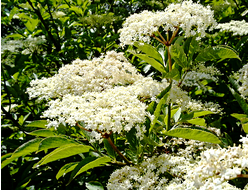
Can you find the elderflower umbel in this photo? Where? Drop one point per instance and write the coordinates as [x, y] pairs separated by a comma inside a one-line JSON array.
[[192, 18], [201, 72], [105, 94], [179, 97], [86, 76], [235, 26], [28, 45], [211, 170]]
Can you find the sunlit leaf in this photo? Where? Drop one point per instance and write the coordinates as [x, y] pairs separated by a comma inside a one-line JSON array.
[[194, 134]]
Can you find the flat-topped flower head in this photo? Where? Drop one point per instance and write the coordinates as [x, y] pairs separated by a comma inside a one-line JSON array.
[[191, 18], [104, 93], [82, 76]]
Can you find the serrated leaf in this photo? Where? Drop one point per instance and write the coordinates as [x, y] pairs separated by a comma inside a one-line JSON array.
[[38, 123], [88, 163], [66, 169], [216, 53], [178, 54], [149, 51], [194, 134], [157, 65], [43, 133], [23, 150], [54, 142], [64, 152]]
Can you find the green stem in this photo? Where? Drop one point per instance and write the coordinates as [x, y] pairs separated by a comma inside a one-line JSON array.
[[169, 60], [169, 117], [107, 136]]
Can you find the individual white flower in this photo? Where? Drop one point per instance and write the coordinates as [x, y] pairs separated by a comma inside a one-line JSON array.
[[192, 18], [237, 27]]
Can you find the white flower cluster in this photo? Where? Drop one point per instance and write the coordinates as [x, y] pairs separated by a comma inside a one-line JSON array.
[[219, 165], [103, 93], [116, 110], [192, 18], [179, 97], [86, 76], [211, 170], [33, 44], [28, 46], [151, 174], [242, 77], [201, 72], [235, 26]]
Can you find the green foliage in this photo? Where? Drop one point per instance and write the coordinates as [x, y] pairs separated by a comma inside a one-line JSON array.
[[85, 29], [193, 133]]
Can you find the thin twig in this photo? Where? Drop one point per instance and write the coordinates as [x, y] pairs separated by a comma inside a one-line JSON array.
[[116, 149]]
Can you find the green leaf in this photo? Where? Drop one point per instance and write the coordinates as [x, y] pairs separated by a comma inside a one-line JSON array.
[[54, 142], [201, 113], [194, 134], [240, 100], [66, 169], [245, 127], [177, 115], [216, 53], [23, 150], [43, 133], [131, 137], [31, 24], [88, 163], [15, 36], [38, 123], [159, 107], [94, 185], [178, 54], [109, 148], [149, 51], [194, 114], [243, 119], [63, 6], [197, 121], [194, 47], [151, 107], [64, 152], [239, 116], [157, 65], [174, 74], [77, 10], [235, 85]]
